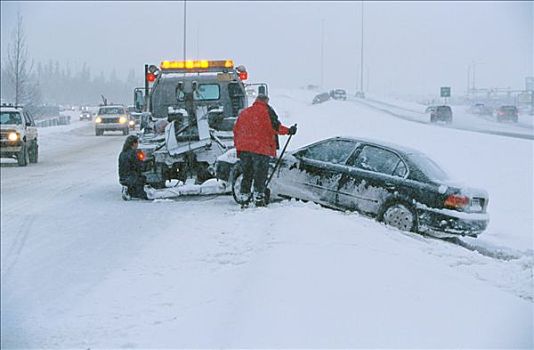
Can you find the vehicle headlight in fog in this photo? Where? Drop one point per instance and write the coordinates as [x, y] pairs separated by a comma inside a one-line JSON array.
[[131, 122], [98, 120], [13, 136], [122, 120]]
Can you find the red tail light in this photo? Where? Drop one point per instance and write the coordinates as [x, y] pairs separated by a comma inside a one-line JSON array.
[[141, 155], [455, 201], [151, 77], [243, 75]]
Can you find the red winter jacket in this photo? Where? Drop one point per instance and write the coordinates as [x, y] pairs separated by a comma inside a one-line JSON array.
[[254, 131]]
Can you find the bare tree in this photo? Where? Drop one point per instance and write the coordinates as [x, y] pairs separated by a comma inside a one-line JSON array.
[[17, 71]]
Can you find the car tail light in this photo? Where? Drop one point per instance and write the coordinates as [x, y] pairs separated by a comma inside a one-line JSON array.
[[141, 155], [455, 201]]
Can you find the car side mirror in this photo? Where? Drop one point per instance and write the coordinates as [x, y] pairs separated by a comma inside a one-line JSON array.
[[262, 90]]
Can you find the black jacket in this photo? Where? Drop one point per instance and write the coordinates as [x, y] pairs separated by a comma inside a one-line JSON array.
[[275, 123], [129, 164]]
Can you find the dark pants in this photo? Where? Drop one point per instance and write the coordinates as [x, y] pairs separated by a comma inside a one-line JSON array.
[[255, 167], [136, 185]]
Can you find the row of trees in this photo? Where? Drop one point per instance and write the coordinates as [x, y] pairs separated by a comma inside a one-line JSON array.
[[23, 82]]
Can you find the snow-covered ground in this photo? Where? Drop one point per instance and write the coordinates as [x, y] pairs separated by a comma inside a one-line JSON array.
[[82, 268]]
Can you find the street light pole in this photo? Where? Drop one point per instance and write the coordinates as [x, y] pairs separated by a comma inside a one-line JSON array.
[[322, 53], [185, 27], [361, 56]]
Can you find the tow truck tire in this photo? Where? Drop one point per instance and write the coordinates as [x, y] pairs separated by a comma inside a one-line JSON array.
[[98, 132], [23, 156], [34, 153], [126, 131]]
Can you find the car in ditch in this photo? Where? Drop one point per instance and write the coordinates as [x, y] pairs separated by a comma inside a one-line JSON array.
[[338, 94], [320, 98], [399, 186], [18, 135], [112, 118]]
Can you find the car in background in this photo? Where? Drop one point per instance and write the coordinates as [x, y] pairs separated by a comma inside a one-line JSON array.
[[338, 94], [509, 113], [112, 118], [399, 186], [480, 109], [86, 115], [18, 135], [320, 98], [440, 113]]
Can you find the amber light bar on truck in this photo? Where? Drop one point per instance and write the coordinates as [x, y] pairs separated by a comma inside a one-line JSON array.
[[194, 66]]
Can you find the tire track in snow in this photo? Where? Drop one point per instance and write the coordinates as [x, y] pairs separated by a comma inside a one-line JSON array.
[[16, 247]]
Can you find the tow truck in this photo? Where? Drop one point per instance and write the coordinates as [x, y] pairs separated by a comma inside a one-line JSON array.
[[187, 113]]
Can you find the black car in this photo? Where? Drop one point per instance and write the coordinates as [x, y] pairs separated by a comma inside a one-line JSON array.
[[325, 96], [338, 94], [440, 113], [507, 113], [396, 185]]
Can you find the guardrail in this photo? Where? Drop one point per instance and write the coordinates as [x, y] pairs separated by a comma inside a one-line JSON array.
[[55, 121]]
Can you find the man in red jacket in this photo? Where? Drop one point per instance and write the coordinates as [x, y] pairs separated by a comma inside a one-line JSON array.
[[255, 139]]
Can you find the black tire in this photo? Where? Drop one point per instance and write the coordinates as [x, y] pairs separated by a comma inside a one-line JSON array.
[[432, 119], [126, 131], [236, 175], [400, 215], [34, 154], [98, 132], [23, 156]]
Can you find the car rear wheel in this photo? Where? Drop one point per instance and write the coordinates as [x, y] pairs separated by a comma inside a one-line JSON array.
[[400, 216]]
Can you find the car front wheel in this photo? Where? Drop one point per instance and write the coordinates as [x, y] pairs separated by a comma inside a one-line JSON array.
[[23, 156], [400, 216]]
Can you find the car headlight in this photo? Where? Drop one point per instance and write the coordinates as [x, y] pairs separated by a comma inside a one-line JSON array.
[[13, 136], [98, 120], [131, 122], [122, 120]]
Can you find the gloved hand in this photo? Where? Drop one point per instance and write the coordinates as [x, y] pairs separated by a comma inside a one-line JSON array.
[[293, 130]]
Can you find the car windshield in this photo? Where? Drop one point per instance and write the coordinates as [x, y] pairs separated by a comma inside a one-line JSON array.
[[430, 168], [10, 118], [111, 110], [509, 108]]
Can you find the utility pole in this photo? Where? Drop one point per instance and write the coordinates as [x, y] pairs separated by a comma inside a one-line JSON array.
[[322, 53], [185, 27], [361, 56]]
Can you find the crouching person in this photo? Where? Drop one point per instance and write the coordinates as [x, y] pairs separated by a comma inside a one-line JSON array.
[[255, 139], [130, 170]]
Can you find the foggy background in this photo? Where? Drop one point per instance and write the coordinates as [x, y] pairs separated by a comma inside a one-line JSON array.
[[409, 47]]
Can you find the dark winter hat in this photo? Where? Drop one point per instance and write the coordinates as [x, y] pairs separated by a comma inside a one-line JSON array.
[[263, 98]]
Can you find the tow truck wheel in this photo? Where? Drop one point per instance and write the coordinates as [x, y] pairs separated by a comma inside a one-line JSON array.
[[126, 131], [23, 156]]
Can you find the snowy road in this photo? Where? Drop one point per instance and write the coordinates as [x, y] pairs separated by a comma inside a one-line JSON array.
[[82, 268]]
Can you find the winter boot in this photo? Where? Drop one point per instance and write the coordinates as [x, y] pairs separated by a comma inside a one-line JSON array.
[[125, 194], [259, 199]]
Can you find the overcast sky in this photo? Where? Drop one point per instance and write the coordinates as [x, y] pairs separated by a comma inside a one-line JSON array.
[[413, 47]]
